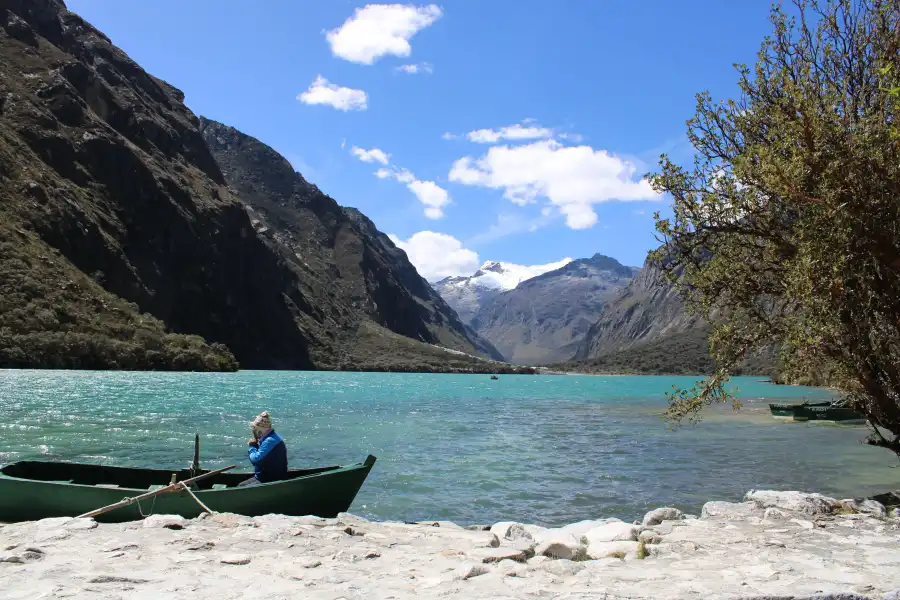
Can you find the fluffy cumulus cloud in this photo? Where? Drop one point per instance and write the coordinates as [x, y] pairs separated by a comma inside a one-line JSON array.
[[512, 132], [377, 30], [571, 178], [371, 156], [437, 255], [432, 196], [324, 92]]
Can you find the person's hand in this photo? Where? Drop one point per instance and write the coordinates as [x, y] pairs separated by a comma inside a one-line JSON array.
[[252, 442]]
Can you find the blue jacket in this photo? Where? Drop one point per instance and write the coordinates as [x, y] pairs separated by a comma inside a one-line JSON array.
[[269, 458]]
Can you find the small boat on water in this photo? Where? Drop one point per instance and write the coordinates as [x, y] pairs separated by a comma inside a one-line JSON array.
[[816, 411], [786, 411], [494, 377], [31, 490]]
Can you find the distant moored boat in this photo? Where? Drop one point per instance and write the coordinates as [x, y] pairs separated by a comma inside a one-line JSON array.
[[816, 411]]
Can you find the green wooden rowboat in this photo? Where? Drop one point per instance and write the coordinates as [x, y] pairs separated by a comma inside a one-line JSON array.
[[786, 411], [816, 411], [32, 490]]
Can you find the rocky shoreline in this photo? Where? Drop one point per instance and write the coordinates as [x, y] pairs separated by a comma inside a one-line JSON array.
[[774, 545]]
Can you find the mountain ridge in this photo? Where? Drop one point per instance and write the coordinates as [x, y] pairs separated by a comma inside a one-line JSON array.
[[542, 318], [125, 245]]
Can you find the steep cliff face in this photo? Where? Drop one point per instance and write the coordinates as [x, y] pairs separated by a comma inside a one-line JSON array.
[[352, 270], [647, 309], [119, 231], [105, 164], [544, 319], [646, 328]]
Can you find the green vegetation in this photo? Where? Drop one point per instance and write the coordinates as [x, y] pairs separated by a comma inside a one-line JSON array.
[[683, 353], [787, 227], [376, 348], [642, 551], [53, 316]]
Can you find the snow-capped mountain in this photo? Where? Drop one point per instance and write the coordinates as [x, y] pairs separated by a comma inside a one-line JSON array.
[[467, 294]]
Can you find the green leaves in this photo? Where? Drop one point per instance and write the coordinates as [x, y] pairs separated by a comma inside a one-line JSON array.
[[786, 229]]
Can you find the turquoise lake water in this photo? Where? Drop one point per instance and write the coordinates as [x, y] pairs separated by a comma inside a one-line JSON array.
[[540, 449]]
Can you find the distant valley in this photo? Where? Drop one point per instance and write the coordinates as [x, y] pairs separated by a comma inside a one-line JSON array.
[[592, 314]]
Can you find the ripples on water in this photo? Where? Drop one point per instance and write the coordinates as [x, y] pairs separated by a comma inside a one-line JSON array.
[[540, 449]]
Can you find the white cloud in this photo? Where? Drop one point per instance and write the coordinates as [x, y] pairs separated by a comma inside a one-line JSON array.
[[437, 255], [415, 69], [511, 132], [342, 98], [377, 30], [572, 178], [430, 194], [369, 156], [449, 136]]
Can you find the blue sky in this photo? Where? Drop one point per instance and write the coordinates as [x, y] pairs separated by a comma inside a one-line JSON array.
[[554, 110]]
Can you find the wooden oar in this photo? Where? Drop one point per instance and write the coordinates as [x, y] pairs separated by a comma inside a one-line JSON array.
[[172, 487]]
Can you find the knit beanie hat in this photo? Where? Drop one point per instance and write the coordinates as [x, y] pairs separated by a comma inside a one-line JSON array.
[[261, 424]]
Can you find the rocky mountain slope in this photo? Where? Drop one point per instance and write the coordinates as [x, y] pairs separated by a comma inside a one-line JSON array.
[[544, 319], [647, 309], [125, 246], [339, 256], [646, 328], [467, 294]]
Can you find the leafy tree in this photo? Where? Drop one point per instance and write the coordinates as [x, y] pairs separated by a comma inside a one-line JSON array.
[[786, 229]]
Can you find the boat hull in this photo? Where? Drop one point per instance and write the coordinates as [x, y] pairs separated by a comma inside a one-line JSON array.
[[787, 411], [837, 414], [817, 411], [322, 492]]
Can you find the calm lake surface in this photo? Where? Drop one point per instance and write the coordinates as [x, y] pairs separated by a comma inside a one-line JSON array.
[[539, 449]]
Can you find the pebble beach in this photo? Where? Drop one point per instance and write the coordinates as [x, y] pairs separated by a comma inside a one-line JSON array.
[[771, 545]]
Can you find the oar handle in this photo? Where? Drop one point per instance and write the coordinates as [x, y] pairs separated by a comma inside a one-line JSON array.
[[169, 488]]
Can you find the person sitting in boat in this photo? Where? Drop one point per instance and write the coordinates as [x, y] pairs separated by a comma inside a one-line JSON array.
[[267, 452]]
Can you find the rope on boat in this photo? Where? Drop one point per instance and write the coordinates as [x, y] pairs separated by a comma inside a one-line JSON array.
[[188, 490], [141, 511]]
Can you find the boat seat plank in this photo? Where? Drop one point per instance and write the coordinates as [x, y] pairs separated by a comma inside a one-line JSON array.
[[220, 486], [107, 485]]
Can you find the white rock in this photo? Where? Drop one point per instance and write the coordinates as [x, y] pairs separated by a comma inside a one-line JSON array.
[[562, 568], [611, 532], [537, 532], [620, 549], [503, 528], [803, 523], [728, 510], [560, 547], [895, 513], [70, 523], [655, 517], [470, 570], [776, 514], [307, 562], [865, 507], [580, 528], [236, 559], [511, 568], [648, 536], [810, 504], [164, 521], [494, 555]]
